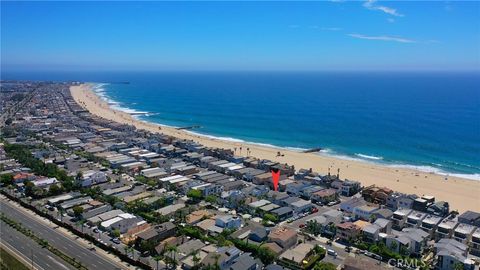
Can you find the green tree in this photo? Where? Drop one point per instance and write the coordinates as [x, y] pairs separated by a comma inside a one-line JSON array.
[[211, 199], [54, 190], [195, 195], [6, 179], [266, 255], [270, 217], [77, 210], [146, 246], [116, 233], [29, 188], [325, 266]]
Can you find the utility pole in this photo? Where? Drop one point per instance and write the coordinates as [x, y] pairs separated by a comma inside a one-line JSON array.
[[31, 252]]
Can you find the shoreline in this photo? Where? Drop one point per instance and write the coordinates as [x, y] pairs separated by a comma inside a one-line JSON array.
[[461, 193]]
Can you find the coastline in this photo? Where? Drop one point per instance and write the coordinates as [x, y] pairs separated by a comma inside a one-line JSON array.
[[461, 193]]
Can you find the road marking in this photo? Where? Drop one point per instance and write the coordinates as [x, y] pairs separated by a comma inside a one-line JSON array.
[[57, 262], [20, 255]]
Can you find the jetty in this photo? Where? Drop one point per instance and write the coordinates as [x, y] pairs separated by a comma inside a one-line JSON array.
[[313, 150], [189, 127]]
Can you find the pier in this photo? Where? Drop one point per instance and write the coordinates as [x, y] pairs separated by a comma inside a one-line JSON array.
[[313, 150]]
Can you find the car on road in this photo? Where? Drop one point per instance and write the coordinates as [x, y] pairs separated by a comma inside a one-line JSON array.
[[348, 248], [332, 203], [332, 252], [116, 240]]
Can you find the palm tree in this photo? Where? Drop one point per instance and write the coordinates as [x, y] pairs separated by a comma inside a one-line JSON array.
[[157, 258], [173, 250], [216, 256], [195, 258]]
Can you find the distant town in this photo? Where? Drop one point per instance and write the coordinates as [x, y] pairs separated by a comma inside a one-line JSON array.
[[82, 192]]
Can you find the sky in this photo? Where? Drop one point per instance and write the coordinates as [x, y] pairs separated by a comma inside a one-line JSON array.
[[315, 35]]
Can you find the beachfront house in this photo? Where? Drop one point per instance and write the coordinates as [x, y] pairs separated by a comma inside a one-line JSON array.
[[399, 218], [445, 229], [463, 233]]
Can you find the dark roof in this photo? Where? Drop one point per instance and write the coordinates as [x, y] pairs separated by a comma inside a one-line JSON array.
[[274, 267], [243, 262], [282, 210], [260, 232], [470, 216]]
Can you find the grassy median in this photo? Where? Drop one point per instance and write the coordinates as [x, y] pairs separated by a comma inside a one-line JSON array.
[[9, 262]]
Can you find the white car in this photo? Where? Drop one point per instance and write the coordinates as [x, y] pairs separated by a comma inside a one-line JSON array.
[[332, 252]]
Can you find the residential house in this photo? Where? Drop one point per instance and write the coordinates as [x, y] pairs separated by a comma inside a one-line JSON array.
[[349, 205], [295, 188], [378, 195], [246, 262], [157, 233], [301, 206], [348, 231], [122, 222], [306, 193], [224, 257], [415, 218], [324, 196], [228, 222], [418, 240], [284, 237], [385, 225], [349, 187], [294, 258], [475, 244], [370, 233], [445, 229], [283, 213], [430, 224], [451, 254], [397, 200], [365, 212], [399, 218], [258, 234], [470, 217], [91, 178], [440, 208], [463, 233]]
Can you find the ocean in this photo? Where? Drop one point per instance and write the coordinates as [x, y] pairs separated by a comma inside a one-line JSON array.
[[426, 120]]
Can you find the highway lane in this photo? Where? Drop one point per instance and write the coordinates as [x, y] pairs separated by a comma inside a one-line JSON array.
[[28, 249], [68, 245]]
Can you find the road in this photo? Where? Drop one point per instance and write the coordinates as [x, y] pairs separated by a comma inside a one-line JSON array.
[[66, 244], [27, 249]]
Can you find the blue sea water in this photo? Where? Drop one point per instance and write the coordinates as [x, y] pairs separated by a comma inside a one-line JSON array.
[[429, 120]]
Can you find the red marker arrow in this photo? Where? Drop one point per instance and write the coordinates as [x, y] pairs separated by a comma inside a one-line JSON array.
[[275, 178]]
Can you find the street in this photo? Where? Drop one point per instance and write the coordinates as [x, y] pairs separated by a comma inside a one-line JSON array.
[[28, 249], [67, 245]]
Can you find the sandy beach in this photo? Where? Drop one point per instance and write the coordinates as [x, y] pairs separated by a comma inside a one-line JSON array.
[[462, 194]]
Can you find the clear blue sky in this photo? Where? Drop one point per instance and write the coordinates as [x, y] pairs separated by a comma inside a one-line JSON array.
[[329, 35]]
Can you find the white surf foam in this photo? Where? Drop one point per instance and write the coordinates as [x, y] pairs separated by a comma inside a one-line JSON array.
[[368, 156]]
